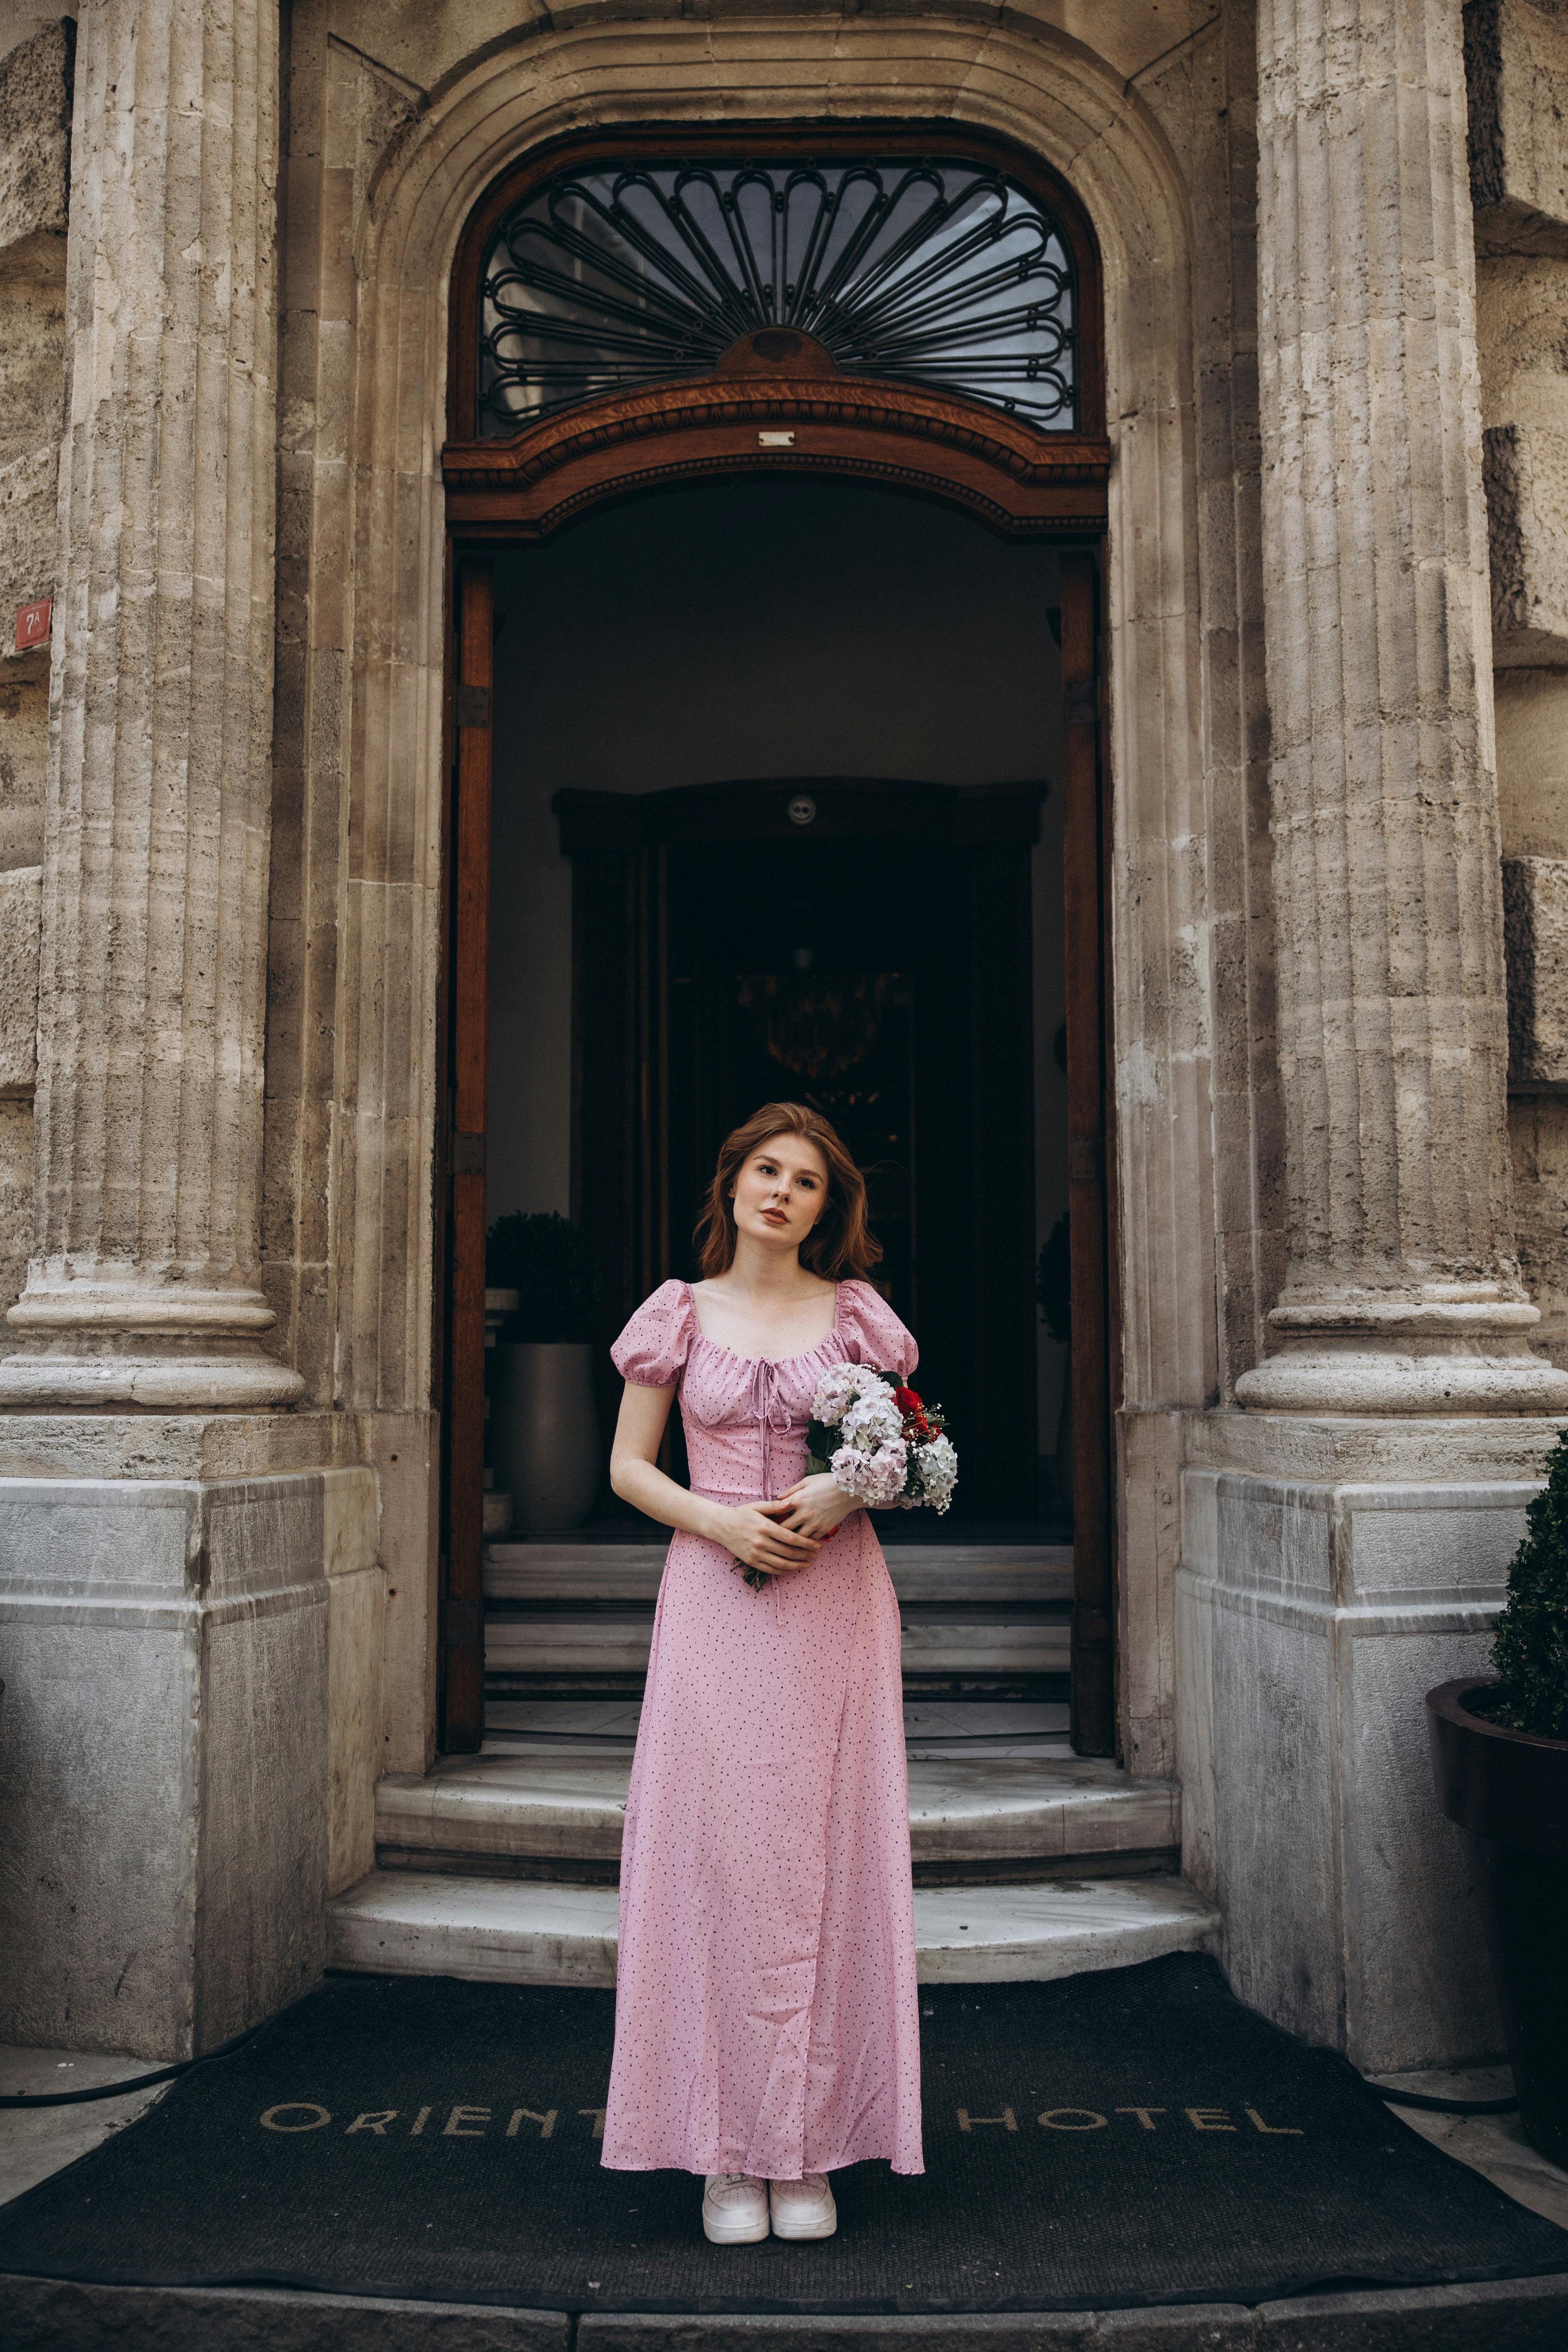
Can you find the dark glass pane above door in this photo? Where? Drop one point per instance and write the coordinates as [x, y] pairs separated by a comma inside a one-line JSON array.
[[940, 273]]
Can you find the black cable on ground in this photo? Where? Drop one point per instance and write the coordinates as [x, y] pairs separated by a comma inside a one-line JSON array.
[[1444, 2106], [134, 2082]]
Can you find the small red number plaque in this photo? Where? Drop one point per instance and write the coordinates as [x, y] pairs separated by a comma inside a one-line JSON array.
[[33, 623]]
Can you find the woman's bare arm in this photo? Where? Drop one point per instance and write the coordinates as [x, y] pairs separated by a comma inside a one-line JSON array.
[[741, 1528]]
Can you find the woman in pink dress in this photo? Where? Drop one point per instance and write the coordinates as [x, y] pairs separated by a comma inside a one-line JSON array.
[[767, 2025]]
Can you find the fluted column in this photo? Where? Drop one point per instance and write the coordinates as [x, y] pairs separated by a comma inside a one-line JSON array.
[[1402, 1293], [148, 1109]]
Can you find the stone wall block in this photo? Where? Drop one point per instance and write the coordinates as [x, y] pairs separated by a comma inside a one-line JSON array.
[[1516, 62], [34, 154], [405, 1449], [1535, 914], [164, 1756], [1313, 1618], [263, 1832], [35, 142], [96, 1932], [15, 1195], [24, 758], [356, 1632], [28, 488], [21, 902], [1538, 1140], [1526, 475]]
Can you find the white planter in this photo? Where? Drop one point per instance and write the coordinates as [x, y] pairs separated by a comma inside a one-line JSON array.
[[545, 1432]]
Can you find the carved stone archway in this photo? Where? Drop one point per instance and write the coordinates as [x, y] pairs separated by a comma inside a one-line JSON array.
[[1044, 94], [775, 398]]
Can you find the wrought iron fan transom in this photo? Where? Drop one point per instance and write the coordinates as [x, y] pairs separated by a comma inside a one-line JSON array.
[[934, 272]]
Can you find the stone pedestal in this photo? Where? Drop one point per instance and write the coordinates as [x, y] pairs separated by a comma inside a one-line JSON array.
[[1330, 1577], [190, 1738], [167, 1752]]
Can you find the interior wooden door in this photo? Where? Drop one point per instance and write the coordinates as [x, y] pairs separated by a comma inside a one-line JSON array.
[[718, 940]]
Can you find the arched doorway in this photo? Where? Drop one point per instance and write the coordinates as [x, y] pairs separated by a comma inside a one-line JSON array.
[[606, 340]]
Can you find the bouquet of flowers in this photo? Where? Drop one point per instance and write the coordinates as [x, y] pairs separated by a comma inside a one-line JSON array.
[[879, 1441]]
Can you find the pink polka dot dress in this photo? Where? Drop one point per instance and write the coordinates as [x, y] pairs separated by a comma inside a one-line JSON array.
[[766, 2015]]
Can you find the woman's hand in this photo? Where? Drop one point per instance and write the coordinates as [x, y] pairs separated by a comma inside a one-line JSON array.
[[813, 1506], [748, 1530]]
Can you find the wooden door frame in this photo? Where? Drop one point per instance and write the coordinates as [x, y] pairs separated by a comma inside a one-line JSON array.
[[464, 1033], [1024, 484], [1090, 1147], [1090, 1159]]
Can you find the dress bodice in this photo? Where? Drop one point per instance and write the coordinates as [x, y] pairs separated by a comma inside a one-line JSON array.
[[745, 1418]]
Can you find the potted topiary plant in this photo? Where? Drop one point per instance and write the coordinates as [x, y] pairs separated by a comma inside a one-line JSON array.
[[1499, 1753], [543, 1424]]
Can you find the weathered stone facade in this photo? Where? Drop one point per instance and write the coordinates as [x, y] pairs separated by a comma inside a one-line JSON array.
[[1339, 503], [1517, 57]]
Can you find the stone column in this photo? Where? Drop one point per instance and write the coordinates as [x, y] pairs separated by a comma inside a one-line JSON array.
[[1402, 1293], [143, 1287]]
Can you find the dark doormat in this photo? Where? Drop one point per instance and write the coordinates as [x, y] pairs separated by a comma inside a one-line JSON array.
[[1129, 2137]]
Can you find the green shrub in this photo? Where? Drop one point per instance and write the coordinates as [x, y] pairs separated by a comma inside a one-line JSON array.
[[553, 1267], [1530, 1654]]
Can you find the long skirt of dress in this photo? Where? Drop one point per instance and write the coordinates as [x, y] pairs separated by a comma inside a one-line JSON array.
[[767, 2018]]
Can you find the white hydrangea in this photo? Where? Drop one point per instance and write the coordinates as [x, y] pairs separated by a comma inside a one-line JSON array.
[[873, 1460], [938, 1465], [872, 1476], [840, 1386], [871, 1422]]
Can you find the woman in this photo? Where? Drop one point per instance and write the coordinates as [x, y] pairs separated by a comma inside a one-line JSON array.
[[767, 2024]]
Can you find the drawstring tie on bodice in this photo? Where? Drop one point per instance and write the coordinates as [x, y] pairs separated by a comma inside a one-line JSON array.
[[769, 1410]]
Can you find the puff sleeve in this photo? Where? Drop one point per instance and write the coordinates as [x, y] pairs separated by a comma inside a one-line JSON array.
[[651, 1350], [876, 1333]]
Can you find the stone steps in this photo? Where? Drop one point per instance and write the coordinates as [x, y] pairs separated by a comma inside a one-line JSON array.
[[920, 1572], [571, 1723], [973, 1614], [1029, 1861], [546, 1641], [405, 1922], [530, 1813]]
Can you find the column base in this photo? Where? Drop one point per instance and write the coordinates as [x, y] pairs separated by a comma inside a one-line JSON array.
[[1332, 1379], [1427, 1347], [158, 1346], [247, 1381]]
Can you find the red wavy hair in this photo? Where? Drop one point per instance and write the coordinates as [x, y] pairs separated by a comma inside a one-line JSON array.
[[840, 1246]]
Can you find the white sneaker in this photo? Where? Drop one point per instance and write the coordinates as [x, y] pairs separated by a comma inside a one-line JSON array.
[[803, 2208], [734, 2209]]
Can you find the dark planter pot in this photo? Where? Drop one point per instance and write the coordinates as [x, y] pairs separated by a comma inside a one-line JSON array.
[[1509, 1791]]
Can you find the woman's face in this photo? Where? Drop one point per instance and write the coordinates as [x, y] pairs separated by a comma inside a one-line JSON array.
[[781, 1191]]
